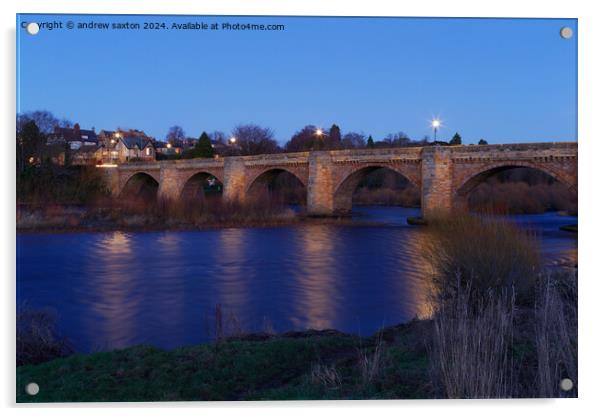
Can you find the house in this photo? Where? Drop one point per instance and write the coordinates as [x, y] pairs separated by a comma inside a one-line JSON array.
[[168, 149], [129, 149], [119, 146], [75, 137]]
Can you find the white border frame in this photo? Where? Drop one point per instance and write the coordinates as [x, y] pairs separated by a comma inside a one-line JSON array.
[[590, 32]]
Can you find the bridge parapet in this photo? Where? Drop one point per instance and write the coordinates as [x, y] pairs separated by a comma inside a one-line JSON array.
[[445, 175], [276, 159]]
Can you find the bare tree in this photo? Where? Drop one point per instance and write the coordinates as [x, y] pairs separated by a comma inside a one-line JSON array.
[[218, 137], [255, 140], [175, 134], [45, 120], [353, 140], [397, 139]]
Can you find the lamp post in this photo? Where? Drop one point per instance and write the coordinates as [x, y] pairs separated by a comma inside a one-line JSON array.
[[320, 134], [435, 124]]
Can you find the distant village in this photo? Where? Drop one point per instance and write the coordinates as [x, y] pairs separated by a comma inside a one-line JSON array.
[[86, 147], [76, 146]]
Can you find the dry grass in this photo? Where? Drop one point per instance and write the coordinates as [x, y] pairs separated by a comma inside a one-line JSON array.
[[472, 345], [556, 335], [200, 211], [486, 252], [325, 375], [522, 198], [502, 326], [371, 363]]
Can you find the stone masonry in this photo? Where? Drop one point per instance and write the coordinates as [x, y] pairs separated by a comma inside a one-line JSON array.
[[444, 174]]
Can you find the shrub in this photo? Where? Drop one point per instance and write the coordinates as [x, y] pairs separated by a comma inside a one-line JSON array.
[[37, 337], [485, 252]]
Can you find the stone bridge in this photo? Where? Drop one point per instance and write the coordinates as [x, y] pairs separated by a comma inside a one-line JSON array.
[[445, 175]]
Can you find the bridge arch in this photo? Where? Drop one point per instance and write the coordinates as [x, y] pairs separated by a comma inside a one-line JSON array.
[[473, 178], [264, 180], [140, 184], [198, 183], [470, 181], [347, 184]]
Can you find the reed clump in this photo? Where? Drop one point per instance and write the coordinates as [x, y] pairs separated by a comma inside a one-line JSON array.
[[503, 326]]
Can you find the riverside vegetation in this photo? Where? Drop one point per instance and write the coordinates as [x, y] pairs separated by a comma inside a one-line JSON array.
[[54, 198], [500, 326]]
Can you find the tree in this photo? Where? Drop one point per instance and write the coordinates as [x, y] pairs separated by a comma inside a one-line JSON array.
[[218, 137], [353, 140], [44, 120], [457, 139], [399, 139], [175, 135], [203, 147], [483, 141], [333, 141], [303, 140], [255, 140], [370, 143], [30, 143]]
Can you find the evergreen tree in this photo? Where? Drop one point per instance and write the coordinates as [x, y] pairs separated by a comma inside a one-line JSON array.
[[30, 143], [203, 147], [457, 139], [483, 141], [334, 137], [370, 143]]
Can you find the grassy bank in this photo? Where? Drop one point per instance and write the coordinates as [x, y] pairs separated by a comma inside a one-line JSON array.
[[296, 365]]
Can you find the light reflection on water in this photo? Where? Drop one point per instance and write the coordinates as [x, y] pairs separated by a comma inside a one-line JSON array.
[[117, 289]]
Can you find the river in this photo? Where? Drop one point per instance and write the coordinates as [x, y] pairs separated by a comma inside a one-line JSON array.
[[117, 289]]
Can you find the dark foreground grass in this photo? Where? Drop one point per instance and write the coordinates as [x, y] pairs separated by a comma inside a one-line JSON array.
[[256, 368]]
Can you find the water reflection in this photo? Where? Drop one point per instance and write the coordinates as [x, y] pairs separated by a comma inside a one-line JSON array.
[[232, 278], [316, 286], [413, 271], [113, 290]]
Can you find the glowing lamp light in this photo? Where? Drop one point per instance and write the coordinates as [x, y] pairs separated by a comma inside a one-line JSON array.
[[436, 123], [169, 145], [232, 140], [319, 132]]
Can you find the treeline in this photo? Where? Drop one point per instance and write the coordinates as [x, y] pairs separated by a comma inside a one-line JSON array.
[[34, 127]]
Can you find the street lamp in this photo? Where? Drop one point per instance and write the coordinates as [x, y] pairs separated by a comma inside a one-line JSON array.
[[320, 134], [232, 140], [435, 124]]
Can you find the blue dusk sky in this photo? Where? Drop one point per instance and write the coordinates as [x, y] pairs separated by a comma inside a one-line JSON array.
[[504, 80]]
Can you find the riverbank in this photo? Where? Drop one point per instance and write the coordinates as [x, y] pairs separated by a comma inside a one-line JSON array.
[[82, 220], [392, 364]]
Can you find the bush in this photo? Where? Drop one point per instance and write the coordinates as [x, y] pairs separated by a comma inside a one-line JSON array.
[[208, 210], [485, 252], [38, 186], [37, 337]]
